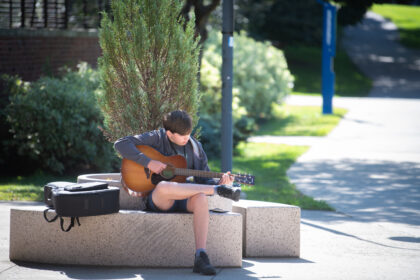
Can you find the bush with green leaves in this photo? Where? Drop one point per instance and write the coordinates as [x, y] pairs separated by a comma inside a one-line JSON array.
[[10, 161], [260, 76], [210, 133], [56, 123]]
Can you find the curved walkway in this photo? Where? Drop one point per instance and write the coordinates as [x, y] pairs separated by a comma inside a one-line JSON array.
[[368, 168], [369, 165], [374, 47]]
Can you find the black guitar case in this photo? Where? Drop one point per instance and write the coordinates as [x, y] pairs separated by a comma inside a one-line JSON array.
[[80, 200]]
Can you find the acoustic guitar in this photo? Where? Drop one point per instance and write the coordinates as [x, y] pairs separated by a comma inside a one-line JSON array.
[[139, 178]]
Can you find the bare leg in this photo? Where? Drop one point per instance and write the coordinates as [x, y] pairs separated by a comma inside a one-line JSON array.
[[166, 192], [198, 205]]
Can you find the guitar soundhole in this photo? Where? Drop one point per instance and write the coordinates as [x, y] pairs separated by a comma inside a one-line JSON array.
[[156, 179]]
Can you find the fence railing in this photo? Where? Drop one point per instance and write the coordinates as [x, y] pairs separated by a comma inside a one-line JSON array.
[[51, 14]]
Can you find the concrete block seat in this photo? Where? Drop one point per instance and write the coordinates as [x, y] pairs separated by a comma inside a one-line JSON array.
[[269, 229], [216, 203], [144, 239], [128, 238]]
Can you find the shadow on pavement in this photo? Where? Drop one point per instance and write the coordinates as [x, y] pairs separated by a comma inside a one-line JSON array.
[[97, 272], [368, 191], [84, 272], [337, 232], [406, 239], [259, 268]]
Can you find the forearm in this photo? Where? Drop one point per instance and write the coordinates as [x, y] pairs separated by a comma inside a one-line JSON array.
[[126, 147]]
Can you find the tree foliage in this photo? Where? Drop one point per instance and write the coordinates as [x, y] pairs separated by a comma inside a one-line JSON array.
[[202, 13], [148, 67], [352, 11], [282, 22], [288, 22]]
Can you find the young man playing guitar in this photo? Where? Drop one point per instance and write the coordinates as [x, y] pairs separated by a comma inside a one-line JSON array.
[[175, 138]]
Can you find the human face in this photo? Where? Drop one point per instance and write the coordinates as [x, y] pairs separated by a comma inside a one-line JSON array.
[[180, 140]]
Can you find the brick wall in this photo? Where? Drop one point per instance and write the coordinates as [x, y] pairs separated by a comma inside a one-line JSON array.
[[32, 53]]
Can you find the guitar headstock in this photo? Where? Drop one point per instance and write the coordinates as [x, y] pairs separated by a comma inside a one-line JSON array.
[[246, 179]]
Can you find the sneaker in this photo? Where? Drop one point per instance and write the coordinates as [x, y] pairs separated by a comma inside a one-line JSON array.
[[202, 265], [229, 192]]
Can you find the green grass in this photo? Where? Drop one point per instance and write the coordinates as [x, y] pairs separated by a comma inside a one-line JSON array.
[[305, 65], [269, 163], [300, 121], [406, 18], [29, 188]]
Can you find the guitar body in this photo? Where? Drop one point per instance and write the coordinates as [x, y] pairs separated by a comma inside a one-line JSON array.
[[141, 179]]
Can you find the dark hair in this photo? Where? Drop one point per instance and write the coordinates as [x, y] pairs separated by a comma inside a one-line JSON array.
[[178, 122]]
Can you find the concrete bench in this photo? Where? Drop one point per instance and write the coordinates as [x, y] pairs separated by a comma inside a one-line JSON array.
[[216, 203], [144, 239], [269, 229], [127, 238]]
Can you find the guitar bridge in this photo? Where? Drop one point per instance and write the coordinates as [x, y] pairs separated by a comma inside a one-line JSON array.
[[147, 171]]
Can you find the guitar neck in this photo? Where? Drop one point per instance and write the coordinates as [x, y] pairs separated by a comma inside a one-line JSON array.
[[239, 178], [198, 173]]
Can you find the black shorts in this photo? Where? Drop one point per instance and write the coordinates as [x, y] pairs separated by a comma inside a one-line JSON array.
[[179, 206]]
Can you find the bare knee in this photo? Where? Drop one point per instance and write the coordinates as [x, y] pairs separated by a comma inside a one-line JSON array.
[[163, 189], [198, 202]]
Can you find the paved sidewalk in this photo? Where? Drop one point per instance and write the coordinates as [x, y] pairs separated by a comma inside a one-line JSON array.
[[374, 47], [369, 166]]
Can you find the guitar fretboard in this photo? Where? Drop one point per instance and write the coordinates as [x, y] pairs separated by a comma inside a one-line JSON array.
[[198, 173], [239, 178]]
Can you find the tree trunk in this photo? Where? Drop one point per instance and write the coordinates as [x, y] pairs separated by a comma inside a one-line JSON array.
[[202, 13]]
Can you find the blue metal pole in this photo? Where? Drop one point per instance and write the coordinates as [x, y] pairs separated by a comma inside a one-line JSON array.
[[328, 53], [227, 79]]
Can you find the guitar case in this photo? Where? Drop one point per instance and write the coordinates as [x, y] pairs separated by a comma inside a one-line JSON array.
[[80, 200]]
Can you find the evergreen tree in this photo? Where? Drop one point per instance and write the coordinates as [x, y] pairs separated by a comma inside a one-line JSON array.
[[148, 67]]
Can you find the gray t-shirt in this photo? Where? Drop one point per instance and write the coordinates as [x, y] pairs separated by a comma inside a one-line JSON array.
[[185, 151]]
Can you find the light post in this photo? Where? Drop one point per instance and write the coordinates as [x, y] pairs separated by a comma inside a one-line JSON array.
[[227, 79]]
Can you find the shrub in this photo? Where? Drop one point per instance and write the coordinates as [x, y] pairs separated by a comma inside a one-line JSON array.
[[56, 122], [210, 133], [10, 161], [260, 76], [253, 91]]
